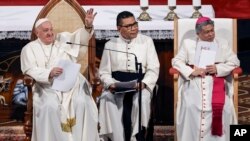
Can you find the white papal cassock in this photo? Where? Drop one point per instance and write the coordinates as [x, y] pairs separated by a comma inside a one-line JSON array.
[[194, 106], [51, 108]]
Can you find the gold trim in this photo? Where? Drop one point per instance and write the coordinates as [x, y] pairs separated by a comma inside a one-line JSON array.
[[67, 127]]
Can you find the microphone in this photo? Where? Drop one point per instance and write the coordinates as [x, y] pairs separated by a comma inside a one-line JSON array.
[[136, 61], [139, 71]]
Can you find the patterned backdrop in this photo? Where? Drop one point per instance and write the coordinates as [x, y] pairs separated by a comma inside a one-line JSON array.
[[244, 99]]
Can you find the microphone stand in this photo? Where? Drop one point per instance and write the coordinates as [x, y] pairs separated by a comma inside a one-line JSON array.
[[139, 73], [139, 100]]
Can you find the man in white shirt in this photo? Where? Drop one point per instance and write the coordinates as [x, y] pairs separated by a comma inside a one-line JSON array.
[[59, 115], [205, 108], [119, 112]]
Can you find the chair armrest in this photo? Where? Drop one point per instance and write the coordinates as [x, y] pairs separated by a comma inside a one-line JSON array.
[[28, 81], [97, 88], [95, 82], [174, 72], [237, 71]]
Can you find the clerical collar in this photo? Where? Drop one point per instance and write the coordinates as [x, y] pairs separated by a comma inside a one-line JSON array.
[[128, 41]]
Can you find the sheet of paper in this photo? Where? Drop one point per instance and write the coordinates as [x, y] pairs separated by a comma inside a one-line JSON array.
[[67, 79], [124, 87], [125, 91], [207, 57], [204, 45]]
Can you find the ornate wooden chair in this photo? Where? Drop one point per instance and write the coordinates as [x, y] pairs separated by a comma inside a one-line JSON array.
[[224, 28], [9, 75], [65, 15]]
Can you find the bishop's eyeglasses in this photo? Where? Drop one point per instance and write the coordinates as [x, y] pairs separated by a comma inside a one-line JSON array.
[[130, 26]]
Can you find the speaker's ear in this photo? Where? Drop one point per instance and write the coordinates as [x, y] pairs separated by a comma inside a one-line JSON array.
[[119, 28]]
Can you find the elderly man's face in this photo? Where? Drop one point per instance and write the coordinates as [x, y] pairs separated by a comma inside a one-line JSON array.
[[129, 28], [207, 33], [45, 33]]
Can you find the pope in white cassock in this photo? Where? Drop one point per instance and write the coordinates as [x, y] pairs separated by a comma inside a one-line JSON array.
[[118, 113], [205, 107], [59, 115]]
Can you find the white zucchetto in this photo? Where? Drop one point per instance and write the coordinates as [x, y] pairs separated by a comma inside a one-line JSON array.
[[40, 21]]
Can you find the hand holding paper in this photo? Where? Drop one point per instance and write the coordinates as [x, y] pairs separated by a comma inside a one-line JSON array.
[[207, 57], [67, 79], [205, 54], [211, 69], [121, 87]]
